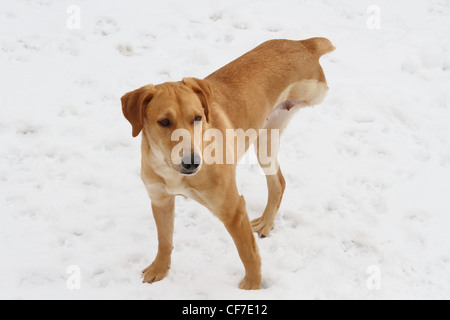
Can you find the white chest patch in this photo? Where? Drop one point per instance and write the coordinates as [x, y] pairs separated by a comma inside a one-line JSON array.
[[177, 190]]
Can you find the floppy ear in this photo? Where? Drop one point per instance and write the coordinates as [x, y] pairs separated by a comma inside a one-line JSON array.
[[134, 105], [204, 91]]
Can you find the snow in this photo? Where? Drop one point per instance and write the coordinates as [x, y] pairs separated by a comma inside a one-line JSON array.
[[367, 171]]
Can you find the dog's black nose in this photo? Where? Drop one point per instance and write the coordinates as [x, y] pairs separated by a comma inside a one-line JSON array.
[[191, 163]]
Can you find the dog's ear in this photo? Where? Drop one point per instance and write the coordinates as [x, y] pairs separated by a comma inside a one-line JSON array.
[[134, 105], [204, 91]]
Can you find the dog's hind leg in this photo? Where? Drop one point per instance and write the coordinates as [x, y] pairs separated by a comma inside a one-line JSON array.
[[276, 186], [267, 149]]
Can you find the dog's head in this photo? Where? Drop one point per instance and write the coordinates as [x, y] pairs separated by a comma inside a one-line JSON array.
[[172, 116]]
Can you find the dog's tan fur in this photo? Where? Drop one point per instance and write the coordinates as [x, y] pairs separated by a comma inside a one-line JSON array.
[[256, 91]]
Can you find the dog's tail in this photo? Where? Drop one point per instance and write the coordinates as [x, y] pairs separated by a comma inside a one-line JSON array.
[[318, 46]]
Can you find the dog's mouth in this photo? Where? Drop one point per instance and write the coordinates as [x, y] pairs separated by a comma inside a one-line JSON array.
[[189, 165], [188, 173]]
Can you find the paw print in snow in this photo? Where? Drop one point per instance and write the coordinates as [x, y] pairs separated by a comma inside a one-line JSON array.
[[106, 27]]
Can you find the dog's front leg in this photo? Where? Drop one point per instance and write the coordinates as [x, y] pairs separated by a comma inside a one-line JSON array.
[[164, 213], [234, 216]]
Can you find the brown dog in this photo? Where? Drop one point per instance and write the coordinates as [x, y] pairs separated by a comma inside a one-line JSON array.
[[259, 91]]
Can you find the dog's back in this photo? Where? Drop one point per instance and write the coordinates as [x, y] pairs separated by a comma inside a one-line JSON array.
[[274, 73], [274, 56]]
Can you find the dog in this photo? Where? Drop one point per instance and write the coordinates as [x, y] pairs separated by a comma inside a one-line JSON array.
[[259, 91]]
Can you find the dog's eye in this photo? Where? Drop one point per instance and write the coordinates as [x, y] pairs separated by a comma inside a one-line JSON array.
[[164, 123], [198, 118]]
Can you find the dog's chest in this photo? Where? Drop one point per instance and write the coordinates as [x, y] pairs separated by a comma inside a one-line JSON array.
[[179, 191], [177, 188]]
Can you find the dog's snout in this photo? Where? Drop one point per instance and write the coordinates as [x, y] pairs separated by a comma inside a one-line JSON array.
[[191, 163]]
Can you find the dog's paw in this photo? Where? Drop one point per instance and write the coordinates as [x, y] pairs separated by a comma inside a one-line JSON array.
[[262, 227], [155, 272], [250, 284]]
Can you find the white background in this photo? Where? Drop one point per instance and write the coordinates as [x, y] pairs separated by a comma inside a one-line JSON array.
[[367, 171]]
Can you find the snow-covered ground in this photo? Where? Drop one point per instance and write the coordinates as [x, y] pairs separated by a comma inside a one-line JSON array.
[[367, 203]]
